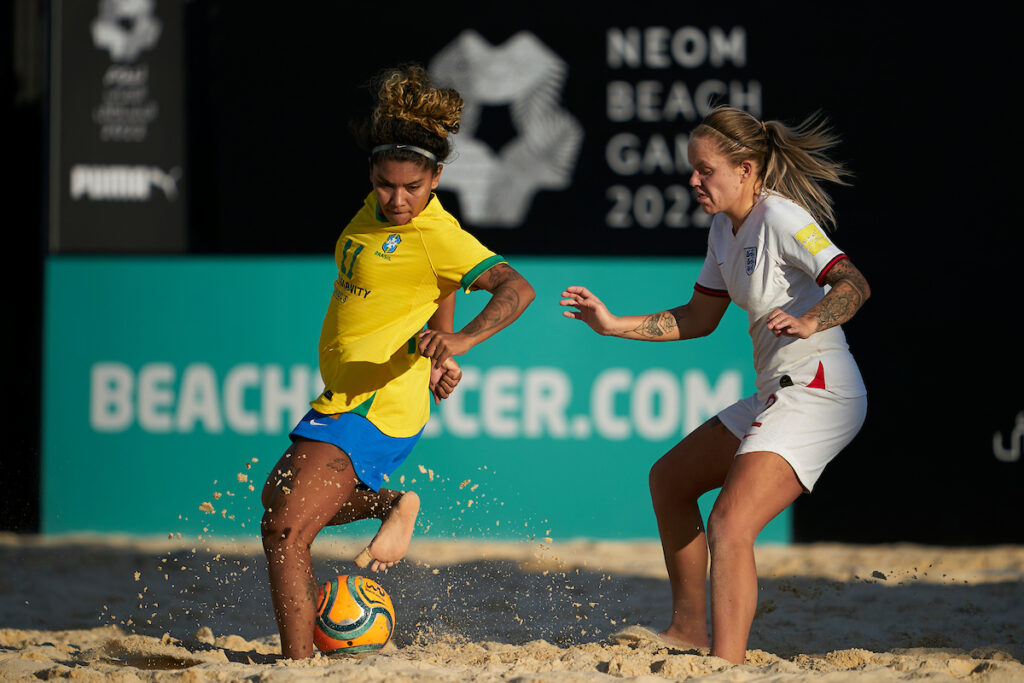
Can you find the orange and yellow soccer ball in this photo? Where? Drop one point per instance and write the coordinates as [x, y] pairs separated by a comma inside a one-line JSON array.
[[354, 616]]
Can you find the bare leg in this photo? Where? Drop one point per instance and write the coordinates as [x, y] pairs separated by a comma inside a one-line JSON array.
[[697, 464], [760, 485], [397, 511], [303, 492]]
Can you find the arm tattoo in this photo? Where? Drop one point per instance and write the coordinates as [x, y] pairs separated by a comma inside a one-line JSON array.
[[504, 303], [656, 325], [849, 292], [498, 276]]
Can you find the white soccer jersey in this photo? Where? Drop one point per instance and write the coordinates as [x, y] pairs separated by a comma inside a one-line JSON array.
[[778, 259]]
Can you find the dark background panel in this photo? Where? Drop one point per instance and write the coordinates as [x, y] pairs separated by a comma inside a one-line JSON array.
[[22, 77], [916, 99], [293, 84], [116, 121], [923, 102]]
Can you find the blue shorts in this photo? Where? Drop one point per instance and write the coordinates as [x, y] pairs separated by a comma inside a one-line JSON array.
[[373, 453]]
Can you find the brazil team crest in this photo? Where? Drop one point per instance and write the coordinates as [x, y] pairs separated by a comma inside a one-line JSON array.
[[390, 244], [750, 258]]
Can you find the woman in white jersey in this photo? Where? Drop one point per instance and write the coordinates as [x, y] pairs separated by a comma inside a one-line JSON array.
[[768, 253]]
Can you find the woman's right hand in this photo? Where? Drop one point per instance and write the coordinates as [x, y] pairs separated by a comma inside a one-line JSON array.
[[444, 378], [589, 309]]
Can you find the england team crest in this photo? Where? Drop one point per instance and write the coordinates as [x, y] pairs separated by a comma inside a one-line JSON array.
[[750, 258], [391, 243]]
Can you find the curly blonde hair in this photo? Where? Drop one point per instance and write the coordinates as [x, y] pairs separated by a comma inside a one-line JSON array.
[[409, 110], [792, 160]]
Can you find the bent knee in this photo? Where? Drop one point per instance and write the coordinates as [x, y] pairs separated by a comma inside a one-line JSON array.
[[727, 527], [279, 536], [658, 478], [669, 480], [273, 532]]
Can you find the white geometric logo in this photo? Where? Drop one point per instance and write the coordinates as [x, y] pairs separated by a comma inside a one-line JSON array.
[[125, 28], [496, 188]]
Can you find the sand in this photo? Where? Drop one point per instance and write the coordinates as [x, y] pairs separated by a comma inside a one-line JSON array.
[[162, 610]]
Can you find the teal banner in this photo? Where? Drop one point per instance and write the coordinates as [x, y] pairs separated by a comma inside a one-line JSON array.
[[170, 385]]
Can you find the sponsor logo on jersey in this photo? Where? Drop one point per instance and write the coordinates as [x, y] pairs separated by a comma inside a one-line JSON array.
[[342, 288], [391, 243], [750, 258], [813, 239]]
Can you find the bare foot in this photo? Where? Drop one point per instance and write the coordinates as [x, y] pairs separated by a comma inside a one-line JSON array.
[[685, 639], [392, 540], [636, 634]]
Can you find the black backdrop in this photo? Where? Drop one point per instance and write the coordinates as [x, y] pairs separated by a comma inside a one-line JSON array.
[[924, 104]]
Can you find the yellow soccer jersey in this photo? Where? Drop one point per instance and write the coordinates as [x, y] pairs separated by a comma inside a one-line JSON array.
[[390, 279]]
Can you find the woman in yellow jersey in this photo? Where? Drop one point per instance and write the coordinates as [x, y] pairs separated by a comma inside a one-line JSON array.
[[400, 260]]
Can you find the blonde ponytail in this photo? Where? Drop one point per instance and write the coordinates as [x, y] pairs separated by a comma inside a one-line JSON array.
[[792, 161]]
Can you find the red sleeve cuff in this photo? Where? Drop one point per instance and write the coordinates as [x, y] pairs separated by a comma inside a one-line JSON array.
[[710, 292], [824, 271]]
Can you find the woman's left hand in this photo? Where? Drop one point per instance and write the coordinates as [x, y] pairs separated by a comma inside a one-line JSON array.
[[783, 324], [440, 346]]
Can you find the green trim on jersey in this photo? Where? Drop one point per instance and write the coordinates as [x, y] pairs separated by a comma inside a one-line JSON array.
[[479, 269], [364, 407]]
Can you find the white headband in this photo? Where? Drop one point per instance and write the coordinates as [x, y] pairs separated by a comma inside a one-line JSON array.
[[411, 148]]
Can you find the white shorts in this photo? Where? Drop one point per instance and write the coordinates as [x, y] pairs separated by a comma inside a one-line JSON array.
[[806, 426]]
